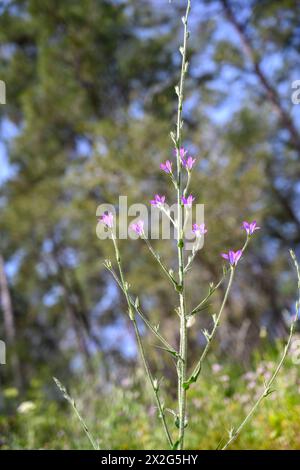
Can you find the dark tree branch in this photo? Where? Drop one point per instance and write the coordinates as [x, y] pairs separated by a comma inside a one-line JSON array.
[[270, 91]]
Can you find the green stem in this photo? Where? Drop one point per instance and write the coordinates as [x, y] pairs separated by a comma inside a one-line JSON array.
[[211, 292], [72, 402], [267, 391], [143, 317], [123, 283], [267, 388], [195, 374], [181, 365], [192, 257], [154, 385], [157, 257], [163, 209], [187, 184]]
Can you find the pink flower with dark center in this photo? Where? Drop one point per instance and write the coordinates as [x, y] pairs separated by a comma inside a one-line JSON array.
[[158, 200], [199, 229], [232, 256], [107, 219], [188, 201], [138, 227], [250, 227], [166, 167]]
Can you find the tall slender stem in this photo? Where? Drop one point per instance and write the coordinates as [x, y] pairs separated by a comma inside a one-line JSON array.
[[267, 388], [209, 338], [217, 318], [138, 310], [63, 390], [153, 383], [181, 366]]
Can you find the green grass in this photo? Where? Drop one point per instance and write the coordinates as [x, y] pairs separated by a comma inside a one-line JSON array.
[[124, 417]]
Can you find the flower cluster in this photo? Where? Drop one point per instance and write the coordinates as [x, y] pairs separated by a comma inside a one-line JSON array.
[[234, 256], [186, 161], [158, 201], [181, 182]]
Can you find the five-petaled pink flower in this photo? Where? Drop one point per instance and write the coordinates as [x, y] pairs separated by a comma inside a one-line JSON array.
[[107, 219], [250, 227], [187, 201], [166, 167], [138, 227], [199, 229], [158, 200], [188, 162], [232, 256]]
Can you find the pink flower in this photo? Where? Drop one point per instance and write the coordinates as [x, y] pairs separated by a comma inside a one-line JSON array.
[[187, 201], [232, 256], [199, 229], [107, 219], [250, 227], [138, 227], [188, 163], [166, 167], [182, 152], [158, 200]]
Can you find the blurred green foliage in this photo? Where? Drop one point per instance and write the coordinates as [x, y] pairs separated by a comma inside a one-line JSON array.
[[122, 415], [90, 104]]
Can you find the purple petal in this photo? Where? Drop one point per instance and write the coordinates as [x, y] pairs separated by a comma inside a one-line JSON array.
[[231, 256], [237, 255], [182, 152]]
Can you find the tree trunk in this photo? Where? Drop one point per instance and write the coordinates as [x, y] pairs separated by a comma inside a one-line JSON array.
[[9, 324]]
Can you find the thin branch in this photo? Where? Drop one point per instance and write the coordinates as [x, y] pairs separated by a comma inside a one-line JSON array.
[[211, 291], [216, 318], [157, 258], [267, 388], [209, 337], [138, 310], [152, 381], [63, 390]]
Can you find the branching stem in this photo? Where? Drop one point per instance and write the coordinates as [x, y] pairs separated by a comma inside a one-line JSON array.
[[181, 365], [153, 383]]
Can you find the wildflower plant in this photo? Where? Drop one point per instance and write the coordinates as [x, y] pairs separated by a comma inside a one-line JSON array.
[[180, 173]]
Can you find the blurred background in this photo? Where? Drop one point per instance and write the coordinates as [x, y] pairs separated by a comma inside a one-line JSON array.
[[90, 104]]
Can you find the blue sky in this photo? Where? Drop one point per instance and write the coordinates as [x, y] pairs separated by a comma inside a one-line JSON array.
[[7, 132]]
